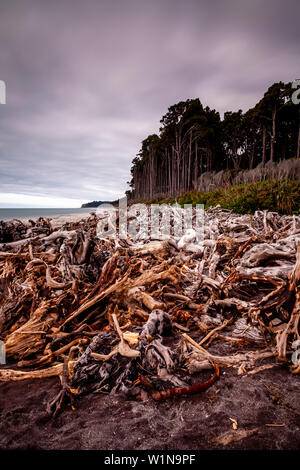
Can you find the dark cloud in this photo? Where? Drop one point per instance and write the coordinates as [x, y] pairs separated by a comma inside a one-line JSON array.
[[87, 81]]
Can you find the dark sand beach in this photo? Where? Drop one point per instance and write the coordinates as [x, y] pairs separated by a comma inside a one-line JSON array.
[[199, 422]]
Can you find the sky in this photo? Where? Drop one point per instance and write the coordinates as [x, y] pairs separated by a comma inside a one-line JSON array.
[[87, 81]]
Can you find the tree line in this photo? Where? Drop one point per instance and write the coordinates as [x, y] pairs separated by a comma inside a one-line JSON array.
[[194, 139]]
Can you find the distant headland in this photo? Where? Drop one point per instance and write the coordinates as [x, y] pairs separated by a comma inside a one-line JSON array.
[[97, 203]]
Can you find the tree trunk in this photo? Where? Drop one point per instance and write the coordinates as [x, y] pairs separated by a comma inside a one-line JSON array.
[[251, 159], [169, 173], [190, 161], [209, 160], [298, 145], [273, 135], [264, 145], [196, 167]]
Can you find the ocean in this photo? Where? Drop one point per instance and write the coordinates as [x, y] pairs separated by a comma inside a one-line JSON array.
[[8, 214]]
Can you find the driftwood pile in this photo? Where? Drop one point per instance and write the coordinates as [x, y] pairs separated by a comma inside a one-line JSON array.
[[112, 315]]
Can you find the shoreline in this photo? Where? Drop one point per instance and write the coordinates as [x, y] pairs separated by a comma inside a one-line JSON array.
[[58, 219]]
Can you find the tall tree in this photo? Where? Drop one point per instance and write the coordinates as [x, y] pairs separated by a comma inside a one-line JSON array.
[[193, 140], [268, 107], [233, 137]]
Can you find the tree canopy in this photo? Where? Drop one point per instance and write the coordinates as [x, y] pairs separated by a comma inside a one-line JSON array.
[[193, 140]]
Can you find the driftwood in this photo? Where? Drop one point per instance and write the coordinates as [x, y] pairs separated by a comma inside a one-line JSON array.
[[7, 375], [108, 304], [201, 359]]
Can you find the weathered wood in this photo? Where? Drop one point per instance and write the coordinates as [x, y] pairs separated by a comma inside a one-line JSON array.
[[8, 375], [63, 288]]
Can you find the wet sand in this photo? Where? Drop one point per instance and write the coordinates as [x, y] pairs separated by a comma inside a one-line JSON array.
[[201, 421]]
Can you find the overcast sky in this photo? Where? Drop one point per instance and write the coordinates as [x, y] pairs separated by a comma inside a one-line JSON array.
[[87, 80]]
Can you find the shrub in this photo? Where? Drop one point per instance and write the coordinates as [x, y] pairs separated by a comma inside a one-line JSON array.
[[272, 195]]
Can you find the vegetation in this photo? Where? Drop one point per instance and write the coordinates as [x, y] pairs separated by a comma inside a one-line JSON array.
[[272, 195], [193, 142]]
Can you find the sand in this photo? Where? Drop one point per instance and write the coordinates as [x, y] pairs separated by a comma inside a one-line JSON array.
[[200, 422], [59, 220]]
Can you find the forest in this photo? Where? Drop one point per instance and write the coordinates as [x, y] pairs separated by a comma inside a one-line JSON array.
[[194, 141]]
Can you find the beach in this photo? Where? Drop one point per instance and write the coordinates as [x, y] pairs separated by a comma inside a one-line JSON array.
[[34, 213], [106, 343], [264, 405]]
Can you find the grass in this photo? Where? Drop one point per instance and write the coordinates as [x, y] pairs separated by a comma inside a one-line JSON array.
[[272, 195]]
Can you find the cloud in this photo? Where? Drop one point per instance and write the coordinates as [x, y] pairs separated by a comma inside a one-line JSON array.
[[87, 81]]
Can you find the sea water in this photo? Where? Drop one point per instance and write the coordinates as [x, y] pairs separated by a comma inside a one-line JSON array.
[[11, 213]]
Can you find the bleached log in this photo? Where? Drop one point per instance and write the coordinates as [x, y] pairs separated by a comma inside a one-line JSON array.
[[152, 248], [10, 375]]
